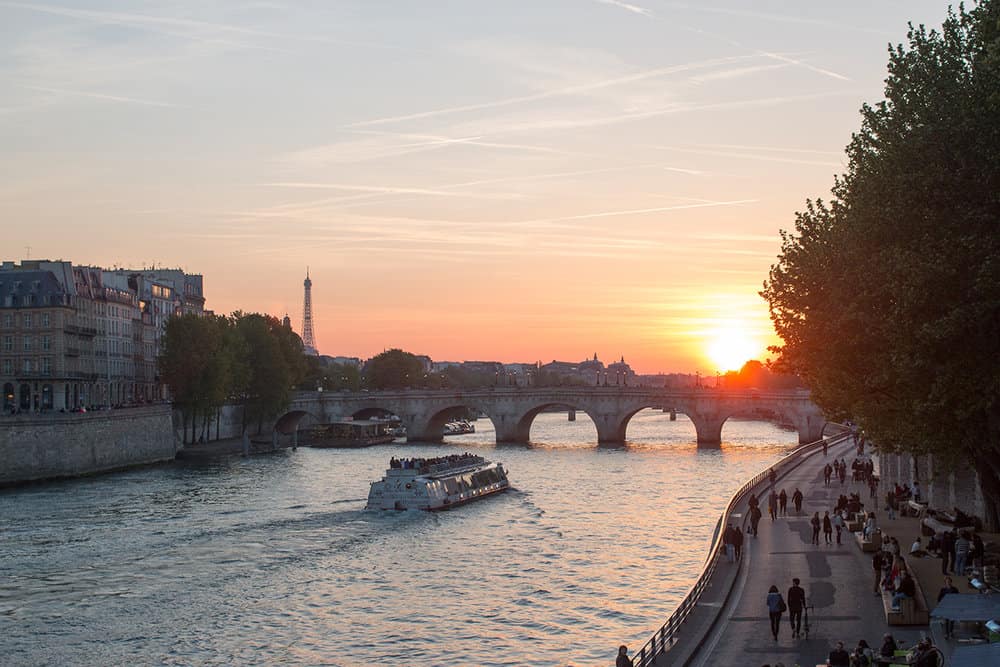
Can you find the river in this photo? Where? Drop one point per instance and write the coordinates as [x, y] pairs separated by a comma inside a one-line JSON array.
[[273, 560]]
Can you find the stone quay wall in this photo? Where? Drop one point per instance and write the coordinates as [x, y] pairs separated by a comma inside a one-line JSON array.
[[37, 447], [943, 489]]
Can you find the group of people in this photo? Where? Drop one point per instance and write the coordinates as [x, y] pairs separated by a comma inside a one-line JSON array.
[[924, 654], [425, 464], [777, 505], [732, 540], [838, 469]]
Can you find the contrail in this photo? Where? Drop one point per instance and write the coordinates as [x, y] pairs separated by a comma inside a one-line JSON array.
[[101, 96], [569, 90], [635, 9]]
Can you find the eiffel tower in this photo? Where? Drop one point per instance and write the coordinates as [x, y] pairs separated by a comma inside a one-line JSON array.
[[308, 338]]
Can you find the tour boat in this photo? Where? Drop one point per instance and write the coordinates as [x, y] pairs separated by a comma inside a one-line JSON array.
[[351, 433], [436, 483]]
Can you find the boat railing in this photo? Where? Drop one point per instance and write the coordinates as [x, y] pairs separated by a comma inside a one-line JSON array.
[[444, 466], [665, 637]]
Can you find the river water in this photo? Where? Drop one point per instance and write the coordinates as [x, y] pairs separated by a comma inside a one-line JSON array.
[[273, 560]]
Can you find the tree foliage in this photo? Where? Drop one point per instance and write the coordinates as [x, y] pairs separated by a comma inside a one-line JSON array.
[[887, 298], [248, 358], [394, 369]]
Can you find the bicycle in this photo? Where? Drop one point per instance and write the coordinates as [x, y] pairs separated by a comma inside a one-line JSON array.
[[805, 618]]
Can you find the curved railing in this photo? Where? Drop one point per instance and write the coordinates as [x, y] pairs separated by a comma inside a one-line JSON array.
[[667, 634]]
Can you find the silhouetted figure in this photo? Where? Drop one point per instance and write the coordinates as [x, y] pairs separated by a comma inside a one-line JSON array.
[[623, 660], [797, 500], [796, 602]]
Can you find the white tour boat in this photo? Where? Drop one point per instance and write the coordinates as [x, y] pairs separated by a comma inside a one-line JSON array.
[[436, 483]]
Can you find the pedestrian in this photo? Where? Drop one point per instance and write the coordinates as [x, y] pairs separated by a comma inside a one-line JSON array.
[[962, 547], [827, 473], [797, 499], [772, 504], [827, 528], [878, 563], [838, 523], [753, 502], [947, 589], [796, 601], [783, 503], [843, 472], [825, 446], [755, 515], [947, 551], [739, 542], [978, 551], [839, 657], [623, 660], [815, 526], [729, 543], [775, 607]]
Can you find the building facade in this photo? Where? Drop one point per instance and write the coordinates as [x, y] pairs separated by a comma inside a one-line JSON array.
[[78, 336]]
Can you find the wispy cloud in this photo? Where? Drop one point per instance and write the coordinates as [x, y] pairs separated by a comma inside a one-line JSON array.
[[635, 9], [101, 96], [634, 211], [567, 90], [385, 189], [749, 156]]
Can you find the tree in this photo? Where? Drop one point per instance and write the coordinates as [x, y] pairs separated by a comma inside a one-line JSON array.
[[394, 369], [196, 364], [887, 299], [269, 363]]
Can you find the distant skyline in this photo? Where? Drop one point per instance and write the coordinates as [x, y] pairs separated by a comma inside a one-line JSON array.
[[515, 181]]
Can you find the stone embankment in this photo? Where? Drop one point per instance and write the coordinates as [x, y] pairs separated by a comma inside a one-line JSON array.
[[49, 446]]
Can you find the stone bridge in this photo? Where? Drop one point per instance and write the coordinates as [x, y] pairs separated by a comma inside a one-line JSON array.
[[512, 409]]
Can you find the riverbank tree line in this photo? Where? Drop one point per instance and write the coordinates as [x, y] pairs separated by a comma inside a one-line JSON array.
[[887, 296], [247, 359]]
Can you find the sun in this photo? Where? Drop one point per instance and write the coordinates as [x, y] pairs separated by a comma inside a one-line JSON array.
[[730, 348]]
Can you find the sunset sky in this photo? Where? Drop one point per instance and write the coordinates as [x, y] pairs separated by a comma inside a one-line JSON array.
[[515, 180]]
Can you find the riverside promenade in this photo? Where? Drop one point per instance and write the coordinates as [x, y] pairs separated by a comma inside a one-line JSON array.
[[837, 580]]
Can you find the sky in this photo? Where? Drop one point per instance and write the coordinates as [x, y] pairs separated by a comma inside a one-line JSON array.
[[513, 181]]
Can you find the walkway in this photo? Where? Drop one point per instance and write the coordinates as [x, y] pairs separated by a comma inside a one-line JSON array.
[[837, 580]]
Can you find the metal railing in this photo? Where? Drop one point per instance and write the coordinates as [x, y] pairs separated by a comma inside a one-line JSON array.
[[665, 637]]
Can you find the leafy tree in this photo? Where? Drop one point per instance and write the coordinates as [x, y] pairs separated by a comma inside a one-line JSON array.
[[269, 363], [887, 299], [196, 365], [394, 369]]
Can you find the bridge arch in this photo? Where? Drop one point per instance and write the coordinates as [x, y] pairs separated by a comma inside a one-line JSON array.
[[517, 427], [293, 420], [429, 426]]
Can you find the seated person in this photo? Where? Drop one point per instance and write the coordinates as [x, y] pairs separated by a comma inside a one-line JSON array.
[[924, 654], [888, 648], [839, 657], [917, 549], [906, 589]]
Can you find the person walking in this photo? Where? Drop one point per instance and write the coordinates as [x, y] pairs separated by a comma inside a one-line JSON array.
[[815, 526], [775, 607], [962, 547], [827, 473], [623, 660], [878, 563], [843, 472], [827, 528], [947, 551], [755, 515], [838, 523], [796, 602], [729, 543], [783, 503], [739, 542], [797, 499], [948, 589], [825, 446], [772, 505]]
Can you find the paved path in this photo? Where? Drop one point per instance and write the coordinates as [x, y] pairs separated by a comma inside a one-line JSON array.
[[837, 580]]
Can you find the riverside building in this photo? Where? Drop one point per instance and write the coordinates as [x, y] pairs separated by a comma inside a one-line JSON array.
[[79, 336]]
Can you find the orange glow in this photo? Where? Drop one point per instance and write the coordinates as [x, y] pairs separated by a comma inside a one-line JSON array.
[[731, 347]]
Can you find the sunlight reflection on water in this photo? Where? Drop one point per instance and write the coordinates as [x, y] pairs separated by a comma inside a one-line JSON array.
[[273, 559]]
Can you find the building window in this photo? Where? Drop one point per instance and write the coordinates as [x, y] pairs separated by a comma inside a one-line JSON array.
[[8, 343], [27, 343], [46, 343], [27, 321], [45, 319], [26, 368], [8, 321], [46, 366], [8, 367]]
